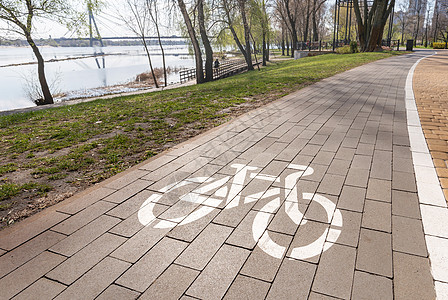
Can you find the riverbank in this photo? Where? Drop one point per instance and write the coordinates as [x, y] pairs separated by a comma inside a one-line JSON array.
[[51, 154]]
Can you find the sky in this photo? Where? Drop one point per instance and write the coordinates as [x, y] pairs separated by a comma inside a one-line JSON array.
[[108, 21]]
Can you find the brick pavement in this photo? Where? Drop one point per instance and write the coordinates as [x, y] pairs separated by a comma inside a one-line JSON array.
[[313, 196], [431, 92]]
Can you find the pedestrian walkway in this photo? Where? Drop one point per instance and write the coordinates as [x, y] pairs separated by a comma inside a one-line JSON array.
[[313, 196]]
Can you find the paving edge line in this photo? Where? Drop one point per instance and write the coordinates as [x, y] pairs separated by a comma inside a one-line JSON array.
[[433, 205]]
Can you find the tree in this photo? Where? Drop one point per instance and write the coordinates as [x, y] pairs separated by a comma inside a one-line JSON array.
[[371, 23], [21, 17], [139, 23], [205, 42], [288, 12], [194, 41], [248, 52], [154, 14]]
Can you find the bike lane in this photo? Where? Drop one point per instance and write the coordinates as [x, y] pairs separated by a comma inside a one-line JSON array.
[[313, 196]]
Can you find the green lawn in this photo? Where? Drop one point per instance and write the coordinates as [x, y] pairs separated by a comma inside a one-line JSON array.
[[85, 143]]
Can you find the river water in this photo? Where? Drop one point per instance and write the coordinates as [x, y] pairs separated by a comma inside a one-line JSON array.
[[80, 77]]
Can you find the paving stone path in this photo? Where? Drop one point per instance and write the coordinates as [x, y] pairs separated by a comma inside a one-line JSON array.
[[313, 196]]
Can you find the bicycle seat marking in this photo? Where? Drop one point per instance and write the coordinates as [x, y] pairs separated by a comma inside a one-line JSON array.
[[231, 194]]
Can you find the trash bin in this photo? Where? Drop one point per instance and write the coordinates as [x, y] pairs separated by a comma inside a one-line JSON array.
[[409, 45]]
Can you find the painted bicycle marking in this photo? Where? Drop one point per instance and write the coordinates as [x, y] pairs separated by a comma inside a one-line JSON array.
[[232, 196]]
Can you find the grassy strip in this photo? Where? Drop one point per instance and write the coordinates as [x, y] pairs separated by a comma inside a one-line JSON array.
[[82, 144]]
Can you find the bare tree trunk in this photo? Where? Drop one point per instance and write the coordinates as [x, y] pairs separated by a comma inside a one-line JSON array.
[[48, 98], [248, 56], [205, 42], [307, 22], [150, 62], [194, 41], [283, 42], [155, 19], [315, 30]]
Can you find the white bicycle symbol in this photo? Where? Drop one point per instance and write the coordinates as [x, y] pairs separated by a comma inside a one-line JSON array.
[[232, 196]]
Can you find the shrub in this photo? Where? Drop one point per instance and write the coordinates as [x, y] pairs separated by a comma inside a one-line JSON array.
[[343, 50], [354, 47], [438, 45]]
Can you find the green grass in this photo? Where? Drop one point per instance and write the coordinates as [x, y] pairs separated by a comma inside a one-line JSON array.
[[9, 190], [95, 140]]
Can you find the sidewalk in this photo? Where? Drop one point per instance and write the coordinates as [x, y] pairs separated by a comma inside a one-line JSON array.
[[313, 196]]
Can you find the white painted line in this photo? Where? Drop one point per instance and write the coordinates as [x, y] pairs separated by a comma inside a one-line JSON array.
[[433, 205]]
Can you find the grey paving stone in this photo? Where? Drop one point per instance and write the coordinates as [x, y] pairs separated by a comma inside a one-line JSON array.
[[132, 225], [242, 235], [129, 207], [361, 162], [403, 165], [334, 274], [116, 292], [128, 191], [310, 150], [81, 262], [223, 159], [305, 235], [317, 296], [96, 280], [408, 236], [22, 232], [247, 288], [339, 167], [352, 198], [187, 231], [160, 173], [365, 149], [219, 274], [405, 204], [263, 266], [202, 249], [404, 182], [124, 180], [357, 177], [368, 286], [293, 280], [301, 159], [85, 200], [83, 217], [140, 243], [282, 223], [350, 229], [331, 184], [317, 212], [41, 289], [375, 252], [319, 139], [85, 235], [377, 215], [233, 216], [27, 251], [412, 277], [154, 164], [171, 178], [171, 284], [143, 273], [381, 165], [345, 154], [28, 273], [379, 189], [323, 158]]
